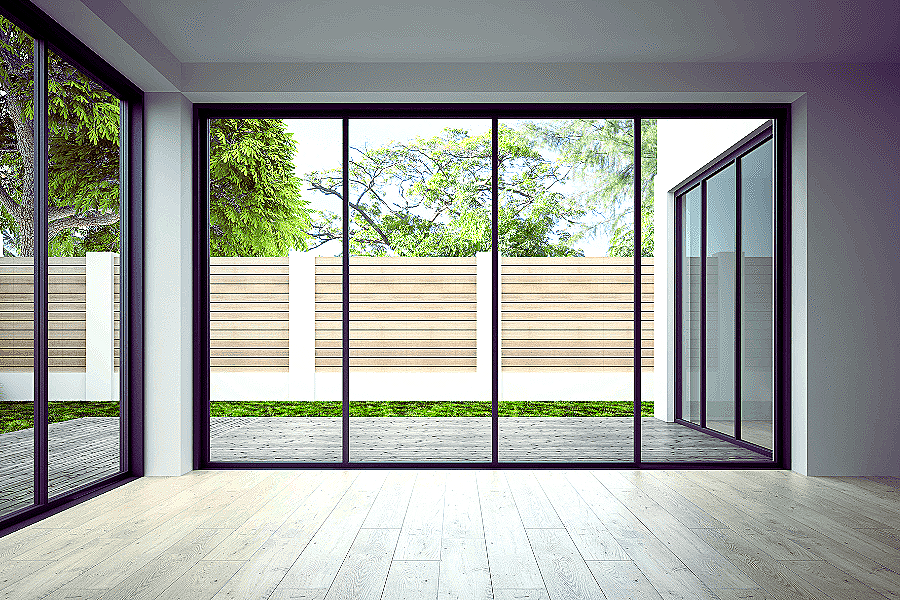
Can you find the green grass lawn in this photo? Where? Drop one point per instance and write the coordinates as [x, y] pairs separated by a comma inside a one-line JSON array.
[[19, 415], [428, 409]]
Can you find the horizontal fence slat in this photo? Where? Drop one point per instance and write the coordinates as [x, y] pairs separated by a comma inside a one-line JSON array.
[[407, 313]]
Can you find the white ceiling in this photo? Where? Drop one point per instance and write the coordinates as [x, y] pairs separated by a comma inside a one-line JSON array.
[[274, 31]]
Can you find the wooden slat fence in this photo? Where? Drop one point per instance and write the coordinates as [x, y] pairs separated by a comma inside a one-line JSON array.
[[419, 314], [406, 314], [574, 314], [66, 305], [249, 314]]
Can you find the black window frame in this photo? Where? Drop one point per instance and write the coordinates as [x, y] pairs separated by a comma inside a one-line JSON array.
[[50, 35], [730, 157], [203, 113]]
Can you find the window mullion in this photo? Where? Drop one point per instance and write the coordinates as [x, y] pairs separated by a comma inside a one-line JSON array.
[[41, 272]]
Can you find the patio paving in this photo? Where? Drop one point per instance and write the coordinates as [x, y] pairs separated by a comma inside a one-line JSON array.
[[85, 450]]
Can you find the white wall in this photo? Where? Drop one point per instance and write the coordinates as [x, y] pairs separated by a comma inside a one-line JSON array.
[[168, 334], [844, 370], [380, 386]]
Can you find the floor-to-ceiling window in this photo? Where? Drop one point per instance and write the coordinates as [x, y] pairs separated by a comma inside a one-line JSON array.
[[726, 278], [70, 224], [470, 285]]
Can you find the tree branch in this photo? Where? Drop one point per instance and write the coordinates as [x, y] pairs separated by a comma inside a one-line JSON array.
[[89, 220], [11, 206]]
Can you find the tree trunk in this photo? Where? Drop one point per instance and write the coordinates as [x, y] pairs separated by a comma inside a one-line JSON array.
[[26, 236]]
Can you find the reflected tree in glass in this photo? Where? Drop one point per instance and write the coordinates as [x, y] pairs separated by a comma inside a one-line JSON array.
[[16, 269]]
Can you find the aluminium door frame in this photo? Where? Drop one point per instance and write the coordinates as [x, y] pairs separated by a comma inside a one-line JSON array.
[[731, 156], [202, 113]]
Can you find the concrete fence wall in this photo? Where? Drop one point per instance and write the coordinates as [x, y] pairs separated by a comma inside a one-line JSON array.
[[420, 328], [83, 327]]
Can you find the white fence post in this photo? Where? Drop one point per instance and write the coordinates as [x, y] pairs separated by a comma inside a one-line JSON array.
[[302, 325], [100, 378], [483, 323]]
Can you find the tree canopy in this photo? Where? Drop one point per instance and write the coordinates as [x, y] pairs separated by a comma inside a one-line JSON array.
[[432, 197], [256, 207], [83, 120], [600, 153]]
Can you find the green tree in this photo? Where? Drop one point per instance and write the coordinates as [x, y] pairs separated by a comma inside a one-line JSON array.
[[600, 153], [255, 203], [83, 121], [256, 208], [432, 197]]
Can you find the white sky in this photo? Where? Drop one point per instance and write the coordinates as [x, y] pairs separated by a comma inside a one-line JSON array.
[[319, 148]]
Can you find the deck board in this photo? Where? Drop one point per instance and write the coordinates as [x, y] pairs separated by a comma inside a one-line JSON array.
[[87, 449]]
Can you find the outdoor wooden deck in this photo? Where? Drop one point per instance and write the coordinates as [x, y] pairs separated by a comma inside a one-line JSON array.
[[85, 450], [80, 451], [464, 439]]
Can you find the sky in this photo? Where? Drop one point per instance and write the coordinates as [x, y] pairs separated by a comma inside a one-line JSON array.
[[319, 148]]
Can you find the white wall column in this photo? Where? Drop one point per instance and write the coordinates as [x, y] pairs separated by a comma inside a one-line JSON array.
[[100, 378], [168, 333], [483, 324], [302, 325]]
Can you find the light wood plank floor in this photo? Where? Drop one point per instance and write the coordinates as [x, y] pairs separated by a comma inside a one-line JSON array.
[[437, 534]]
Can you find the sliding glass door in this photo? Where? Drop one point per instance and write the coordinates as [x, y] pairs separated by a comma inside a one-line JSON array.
[[420, 221], [726, 229], [70, 216], [567, 302], [486, 286]]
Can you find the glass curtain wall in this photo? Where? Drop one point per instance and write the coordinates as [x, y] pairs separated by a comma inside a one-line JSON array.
[[84, 225], [726, 279], [567, 301], [62, 261], [690, 306], [757, 296], [275, 290], [420, 243], [16, 269], [721, 278], [414, 376]]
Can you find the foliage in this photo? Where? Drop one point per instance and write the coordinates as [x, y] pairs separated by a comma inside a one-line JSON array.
[[600, 152], [256, 207], [15, 416], [83, 139], [432, 197], [600, 408]]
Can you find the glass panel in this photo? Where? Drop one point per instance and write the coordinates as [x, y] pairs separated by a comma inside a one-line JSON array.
[[690, 308], [758, 300], [275, 228], [16, 269], [721, 236], [420, 236], [84, 225], [567, 291], [682, 148]]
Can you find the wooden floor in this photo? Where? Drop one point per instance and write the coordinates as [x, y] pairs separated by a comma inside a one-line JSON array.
[[438, 534]]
